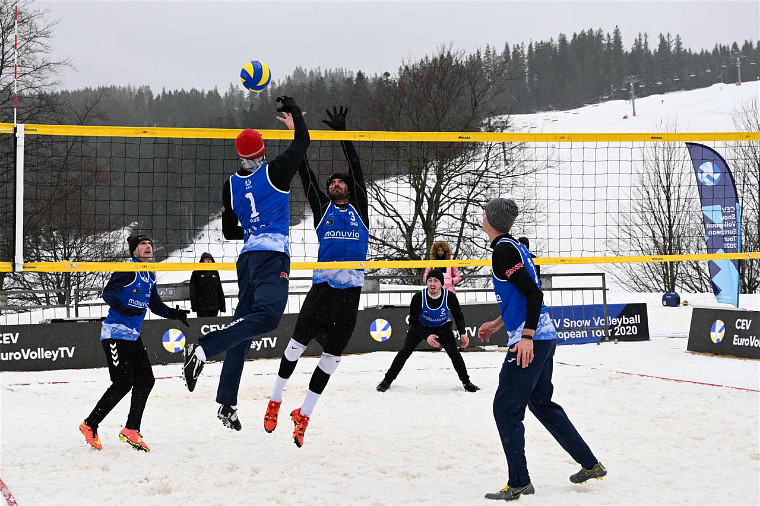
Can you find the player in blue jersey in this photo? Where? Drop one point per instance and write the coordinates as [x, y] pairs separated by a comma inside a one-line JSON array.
[[525, 379], [256, 209], [328, 314], [128, 295], [431, 313]]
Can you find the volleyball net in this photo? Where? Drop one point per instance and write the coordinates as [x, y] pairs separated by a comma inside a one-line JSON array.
[[584, 198]]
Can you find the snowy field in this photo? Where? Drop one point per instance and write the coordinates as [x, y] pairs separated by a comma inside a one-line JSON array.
[[672, 428]]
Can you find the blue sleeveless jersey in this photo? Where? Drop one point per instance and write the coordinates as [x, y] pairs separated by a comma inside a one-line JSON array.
[[435, 317], [513, 304], [343, 236], [262, 210], [135, 294]]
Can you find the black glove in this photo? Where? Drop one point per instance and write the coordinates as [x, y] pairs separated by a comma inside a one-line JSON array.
[[181, 315], [337, 118], [288, 104], [131, 311]]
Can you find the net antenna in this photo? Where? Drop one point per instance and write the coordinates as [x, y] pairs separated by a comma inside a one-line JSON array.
[[15, 63]]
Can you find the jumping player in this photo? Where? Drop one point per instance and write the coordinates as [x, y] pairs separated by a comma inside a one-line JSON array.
[[128, 294], [430, 315], [257, 197], [329, 311]]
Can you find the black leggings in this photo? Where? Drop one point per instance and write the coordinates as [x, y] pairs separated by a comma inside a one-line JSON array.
[[446, 338], [129, 367]]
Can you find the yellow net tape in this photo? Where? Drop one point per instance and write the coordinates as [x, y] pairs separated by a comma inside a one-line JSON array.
[[66, 266], [378, 136]]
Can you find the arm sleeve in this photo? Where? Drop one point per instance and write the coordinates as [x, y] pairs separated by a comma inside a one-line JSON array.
[[284, 167], [110, 292], [318, 200], [359, 185], [508, 266], [415, 308], [157, 306], [230, 226], [424, 274], [456, 312]]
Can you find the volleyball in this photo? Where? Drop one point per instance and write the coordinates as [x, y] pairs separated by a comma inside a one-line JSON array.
[[174, 340], [380, 330], [255, 75], [717, 331]]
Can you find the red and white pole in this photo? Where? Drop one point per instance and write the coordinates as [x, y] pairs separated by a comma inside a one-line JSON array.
[[15, 64]]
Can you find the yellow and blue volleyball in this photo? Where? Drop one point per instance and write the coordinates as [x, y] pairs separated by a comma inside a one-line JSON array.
[[174, 340], [255, 75], [380, 330], [717, 331]]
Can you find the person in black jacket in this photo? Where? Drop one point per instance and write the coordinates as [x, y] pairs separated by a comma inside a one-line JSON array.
[[526, 242], [430, 314], [206, 293]]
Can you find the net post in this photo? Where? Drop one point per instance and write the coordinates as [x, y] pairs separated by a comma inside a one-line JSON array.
[[18, 256]]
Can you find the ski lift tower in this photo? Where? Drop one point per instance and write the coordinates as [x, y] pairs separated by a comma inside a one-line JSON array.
[[632, 80]]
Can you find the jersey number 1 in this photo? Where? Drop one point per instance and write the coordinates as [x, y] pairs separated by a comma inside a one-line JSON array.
[[249, 196]]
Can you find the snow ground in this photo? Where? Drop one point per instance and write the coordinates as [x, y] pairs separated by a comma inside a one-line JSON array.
[[425, 441]]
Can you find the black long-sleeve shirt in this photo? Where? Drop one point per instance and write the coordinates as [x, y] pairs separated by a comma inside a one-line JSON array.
[[415, 308], [508, 266], [319, 201], [281, 171]]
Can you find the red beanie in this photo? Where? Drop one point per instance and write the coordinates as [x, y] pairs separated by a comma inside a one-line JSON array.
[[249, 144]]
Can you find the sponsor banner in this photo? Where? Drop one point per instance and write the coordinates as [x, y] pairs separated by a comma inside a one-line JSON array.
[[721, 217], [585, 324], [725, 332], [76, 345]]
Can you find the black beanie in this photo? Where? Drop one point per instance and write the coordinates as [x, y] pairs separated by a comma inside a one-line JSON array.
[[134, 240], [342, 176], [206, 255], [435, 273]]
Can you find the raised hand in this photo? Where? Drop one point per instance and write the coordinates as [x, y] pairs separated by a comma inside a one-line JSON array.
[[337, 119]]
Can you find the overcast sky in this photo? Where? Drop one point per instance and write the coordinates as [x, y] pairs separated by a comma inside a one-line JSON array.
[[201, 45]]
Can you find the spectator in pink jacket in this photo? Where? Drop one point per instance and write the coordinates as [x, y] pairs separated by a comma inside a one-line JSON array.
[[440, 250]]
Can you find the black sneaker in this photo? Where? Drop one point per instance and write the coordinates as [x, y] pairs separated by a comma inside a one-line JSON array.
[[470, 387], [192, 368], [597, 471], [511, 493], [383, 386], [228, 416]]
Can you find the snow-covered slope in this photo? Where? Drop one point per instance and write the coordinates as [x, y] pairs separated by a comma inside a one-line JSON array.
[[704, 110]]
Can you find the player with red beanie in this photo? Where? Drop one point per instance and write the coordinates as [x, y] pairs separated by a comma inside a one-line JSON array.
[[257, 210]]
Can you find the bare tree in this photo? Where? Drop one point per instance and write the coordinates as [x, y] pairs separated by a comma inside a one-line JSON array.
[[662, 218], [436, 190], [746, 169]]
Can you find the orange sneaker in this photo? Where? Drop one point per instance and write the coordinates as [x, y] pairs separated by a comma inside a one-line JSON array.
[[134, 439], [270, 418], [301, 422], [90, 436]]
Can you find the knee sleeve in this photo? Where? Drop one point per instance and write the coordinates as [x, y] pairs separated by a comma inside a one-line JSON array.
[[329, 363], [294, 350]]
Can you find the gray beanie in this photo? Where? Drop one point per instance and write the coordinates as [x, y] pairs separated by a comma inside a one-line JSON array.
[[501, 213]]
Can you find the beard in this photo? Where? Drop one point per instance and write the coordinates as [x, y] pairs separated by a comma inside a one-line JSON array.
[[338, 194]]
